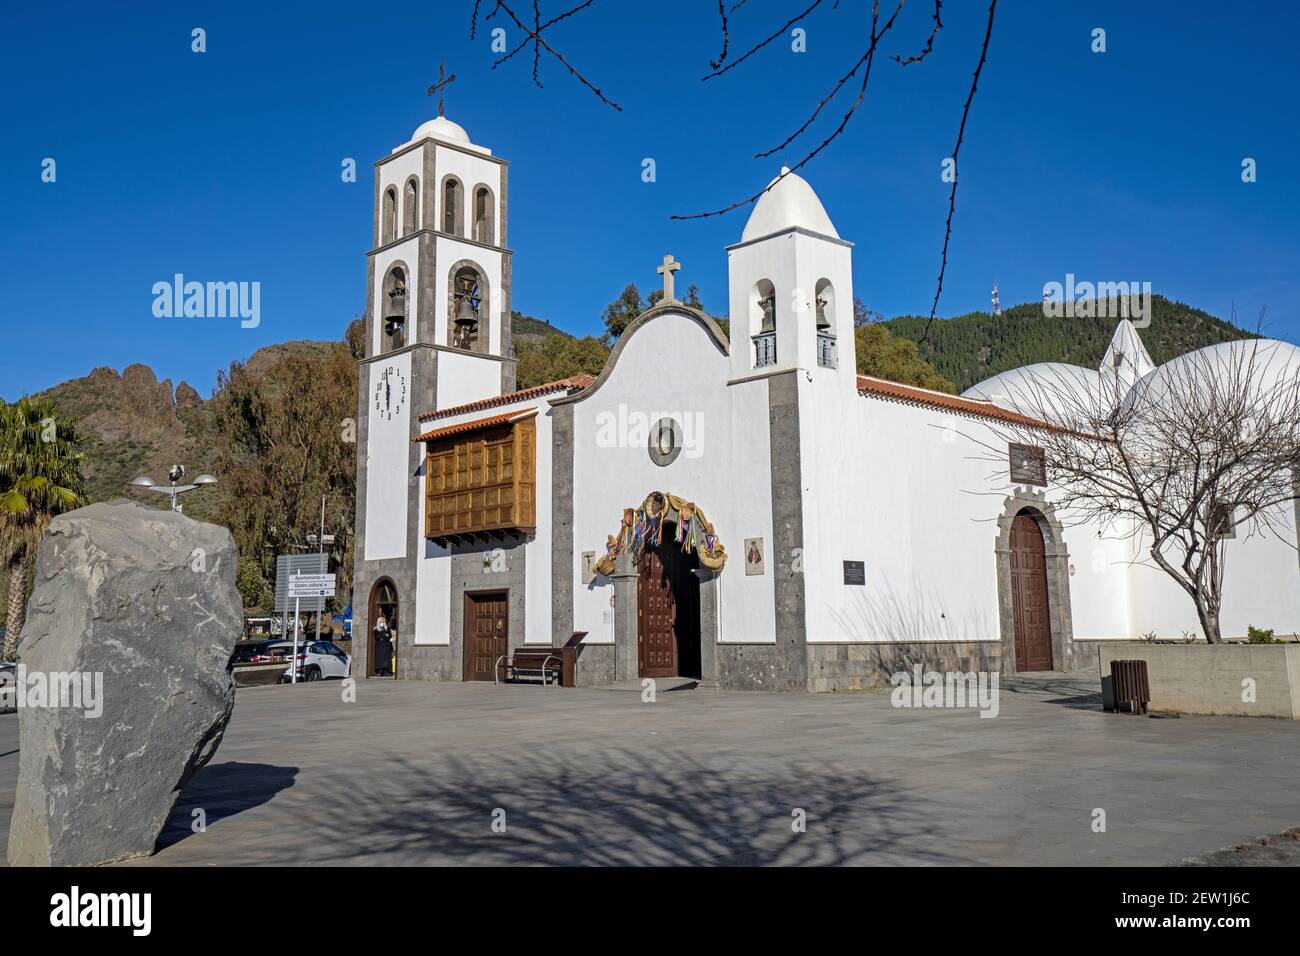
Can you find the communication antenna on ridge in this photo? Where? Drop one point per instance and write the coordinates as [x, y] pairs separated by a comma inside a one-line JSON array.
[[997, 306]]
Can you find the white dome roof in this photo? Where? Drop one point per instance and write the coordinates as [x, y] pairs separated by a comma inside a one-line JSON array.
[[1270, 364], [790, 202], [441, 128], [445, 131], [1039, 390]]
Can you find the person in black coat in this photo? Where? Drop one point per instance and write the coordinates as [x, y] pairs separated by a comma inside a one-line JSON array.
[[383, 649]]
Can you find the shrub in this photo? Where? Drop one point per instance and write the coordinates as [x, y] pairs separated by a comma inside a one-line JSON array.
[[1256, 636]]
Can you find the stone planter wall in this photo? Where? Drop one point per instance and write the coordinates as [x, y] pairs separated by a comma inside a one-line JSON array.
[[1209, 679]]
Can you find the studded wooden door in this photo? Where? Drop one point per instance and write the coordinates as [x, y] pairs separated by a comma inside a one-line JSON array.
[[486, 626], [1029, 596], [656, 612]]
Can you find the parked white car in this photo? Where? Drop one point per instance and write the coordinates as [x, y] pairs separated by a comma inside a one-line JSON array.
[[317, 660]]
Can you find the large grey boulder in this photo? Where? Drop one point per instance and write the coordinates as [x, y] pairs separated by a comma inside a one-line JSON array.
[[144, 601]]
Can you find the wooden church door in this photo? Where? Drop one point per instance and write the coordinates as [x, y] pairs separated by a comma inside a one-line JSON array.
[[1029, 596], [487, 624], [656, 612]]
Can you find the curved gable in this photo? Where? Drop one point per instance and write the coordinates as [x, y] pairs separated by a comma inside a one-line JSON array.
[[711, 328]]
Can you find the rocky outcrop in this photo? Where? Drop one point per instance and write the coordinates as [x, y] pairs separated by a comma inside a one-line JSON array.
[[125, 693], [187, 396]]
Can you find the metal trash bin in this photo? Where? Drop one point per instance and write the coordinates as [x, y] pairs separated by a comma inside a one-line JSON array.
[[1130, 685]]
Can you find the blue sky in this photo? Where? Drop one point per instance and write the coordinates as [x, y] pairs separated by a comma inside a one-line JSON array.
[[225, 165]]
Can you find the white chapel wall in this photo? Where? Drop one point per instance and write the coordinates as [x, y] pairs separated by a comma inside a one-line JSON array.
[[388, 444], [1261, 587], [464, 378], [910, 491], [672, 366]]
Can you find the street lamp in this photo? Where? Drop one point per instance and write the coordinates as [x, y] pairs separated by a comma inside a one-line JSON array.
[[174, 474]]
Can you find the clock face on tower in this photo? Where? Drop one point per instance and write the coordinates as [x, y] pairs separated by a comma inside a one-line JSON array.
[[390, 392]]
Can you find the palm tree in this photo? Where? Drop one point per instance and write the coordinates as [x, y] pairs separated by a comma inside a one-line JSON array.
[[40, 477]]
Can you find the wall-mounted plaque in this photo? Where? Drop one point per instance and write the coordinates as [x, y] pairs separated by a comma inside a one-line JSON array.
[[588, 572], [855, 572], [753, 555]]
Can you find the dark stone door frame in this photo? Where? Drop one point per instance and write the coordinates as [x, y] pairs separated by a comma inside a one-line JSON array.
[[392, 620], [1057, 559]]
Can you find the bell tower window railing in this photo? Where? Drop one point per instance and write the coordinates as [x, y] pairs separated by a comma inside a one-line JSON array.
[[825, 350], [764, 349]]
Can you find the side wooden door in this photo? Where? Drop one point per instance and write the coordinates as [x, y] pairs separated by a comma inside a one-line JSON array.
[[486, 628], [1029, 596]]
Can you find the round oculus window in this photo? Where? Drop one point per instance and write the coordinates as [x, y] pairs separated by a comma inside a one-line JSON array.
[[665, 441]]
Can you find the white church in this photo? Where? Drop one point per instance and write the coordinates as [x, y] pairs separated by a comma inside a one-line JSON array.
[[746, 512]]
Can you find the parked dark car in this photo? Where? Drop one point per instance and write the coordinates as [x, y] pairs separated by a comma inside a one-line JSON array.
[[252, 652]]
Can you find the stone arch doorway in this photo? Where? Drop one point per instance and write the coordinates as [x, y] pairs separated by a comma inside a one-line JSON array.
[[383, 603], [1033, 575], [668, 610], [666, 557]]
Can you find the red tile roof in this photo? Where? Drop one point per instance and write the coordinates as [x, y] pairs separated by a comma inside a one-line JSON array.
[[476, 424], [574, 383], [914, 395]]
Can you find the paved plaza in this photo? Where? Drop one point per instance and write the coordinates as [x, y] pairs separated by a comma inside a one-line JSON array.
[[416, 773]]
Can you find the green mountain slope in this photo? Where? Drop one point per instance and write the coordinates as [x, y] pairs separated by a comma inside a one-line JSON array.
[[526, 330], [970, 348]]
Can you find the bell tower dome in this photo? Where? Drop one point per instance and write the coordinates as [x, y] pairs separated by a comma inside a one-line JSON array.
[[791, 287], [440, 270]]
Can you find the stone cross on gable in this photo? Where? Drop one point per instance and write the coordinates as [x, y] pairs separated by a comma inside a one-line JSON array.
[[666, 270]]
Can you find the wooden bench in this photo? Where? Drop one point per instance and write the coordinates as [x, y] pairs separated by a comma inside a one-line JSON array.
[[537, 661]]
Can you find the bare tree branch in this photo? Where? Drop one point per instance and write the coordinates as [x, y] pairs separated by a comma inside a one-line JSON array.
[[865, 62], [1181, 458], [929, 41], [534, 36], [762, 43], [952, 195]]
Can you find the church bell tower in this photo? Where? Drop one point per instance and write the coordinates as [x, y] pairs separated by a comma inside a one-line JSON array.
[[437, 336], [791, 290]]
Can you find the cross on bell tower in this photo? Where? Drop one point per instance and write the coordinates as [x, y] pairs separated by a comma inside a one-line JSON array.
[[443, 80], [666, 270]]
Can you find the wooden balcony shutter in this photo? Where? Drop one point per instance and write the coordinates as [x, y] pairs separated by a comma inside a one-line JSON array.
[[483, 483]]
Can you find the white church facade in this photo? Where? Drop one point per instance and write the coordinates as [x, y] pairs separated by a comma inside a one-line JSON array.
[[746, 511]]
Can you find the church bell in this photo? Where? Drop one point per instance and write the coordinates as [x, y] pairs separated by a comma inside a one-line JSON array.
[[466, 315], [823, 324], [768, 305], [397, 303]]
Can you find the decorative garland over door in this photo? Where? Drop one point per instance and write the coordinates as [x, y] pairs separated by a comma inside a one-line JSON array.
[[646, 525]]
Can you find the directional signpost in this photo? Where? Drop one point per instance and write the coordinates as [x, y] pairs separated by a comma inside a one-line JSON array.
[[318, 586]]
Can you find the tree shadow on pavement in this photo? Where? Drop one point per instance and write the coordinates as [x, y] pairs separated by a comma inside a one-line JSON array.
[[569, 806]]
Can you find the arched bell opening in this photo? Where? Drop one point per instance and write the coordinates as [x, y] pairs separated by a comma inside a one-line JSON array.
[[394, 310], [468, 308]]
